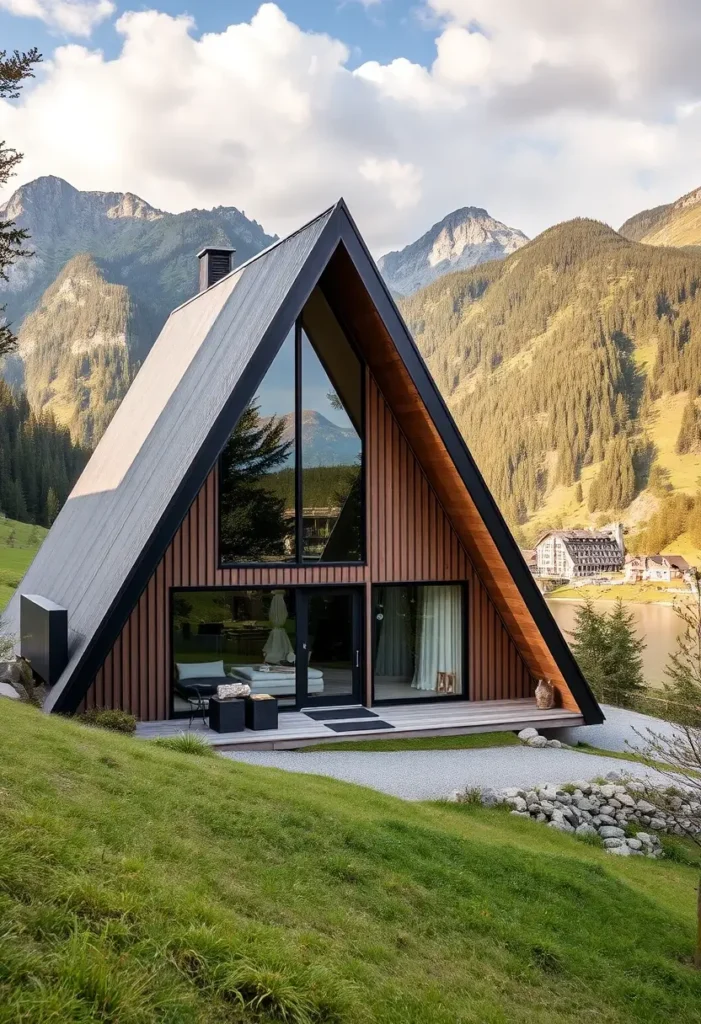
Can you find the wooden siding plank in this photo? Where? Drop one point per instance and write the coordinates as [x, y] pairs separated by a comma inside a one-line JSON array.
[[410, 537]]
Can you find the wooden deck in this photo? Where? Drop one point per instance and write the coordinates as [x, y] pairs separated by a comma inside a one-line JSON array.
[[408, 720]]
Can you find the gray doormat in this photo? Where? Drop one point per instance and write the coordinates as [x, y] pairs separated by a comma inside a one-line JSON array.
[[322, 716], [358, 726]]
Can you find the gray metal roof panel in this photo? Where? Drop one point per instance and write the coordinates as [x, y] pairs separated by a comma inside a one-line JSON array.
[[153, 438]]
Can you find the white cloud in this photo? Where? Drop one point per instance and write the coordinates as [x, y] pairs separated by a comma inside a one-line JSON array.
[[537, 111], [75, 17]]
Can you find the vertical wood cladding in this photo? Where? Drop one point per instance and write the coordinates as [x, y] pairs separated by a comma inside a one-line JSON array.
[[409, 538]]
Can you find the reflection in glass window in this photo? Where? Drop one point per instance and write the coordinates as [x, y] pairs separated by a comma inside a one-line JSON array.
[[332, 448], [419, 631], [245, 636], [257, 472]]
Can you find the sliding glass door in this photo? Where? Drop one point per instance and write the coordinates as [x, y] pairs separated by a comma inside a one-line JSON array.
[[330, 668], [303, 645]]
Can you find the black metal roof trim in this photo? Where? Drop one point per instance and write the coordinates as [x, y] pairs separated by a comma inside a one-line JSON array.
[[467, 467], [104, 638], [284, 308]]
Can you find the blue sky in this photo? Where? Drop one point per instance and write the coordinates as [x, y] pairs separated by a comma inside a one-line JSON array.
[[537, 110], [376, 31]]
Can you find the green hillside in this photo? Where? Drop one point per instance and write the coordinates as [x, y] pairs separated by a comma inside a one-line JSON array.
[[80, 348], [19, 543], [568, 366], [109, 269], [675, 224], [140, 885], [38, 461]]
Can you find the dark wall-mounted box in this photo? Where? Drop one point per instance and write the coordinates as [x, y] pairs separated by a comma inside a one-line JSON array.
[[44, 636]]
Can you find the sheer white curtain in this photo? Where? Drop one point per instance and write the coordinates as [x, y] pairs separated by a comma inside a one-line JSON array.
[[278, 647], [439, 639], [394, 642]]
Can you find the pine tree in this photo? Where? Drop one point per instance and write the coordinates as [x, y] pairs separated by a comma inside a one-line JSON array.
[[578, 493], [14, 70], [52, 506], [589, 646], [623, 660], [690, 429], [684, 666], [609, 654]]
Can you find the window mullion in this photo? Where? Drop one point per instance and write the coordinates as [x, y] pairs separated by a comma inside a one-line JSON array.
[[299, 496]]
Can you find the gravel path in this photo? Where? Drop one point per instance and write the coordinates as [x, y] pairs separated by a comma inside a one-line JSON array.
[[434, 774], [619, 732]]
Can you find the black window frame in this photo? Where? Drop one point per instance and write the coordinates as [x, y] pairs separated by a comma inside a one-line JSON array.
[[298, 562], [359, 588], [442, 698]]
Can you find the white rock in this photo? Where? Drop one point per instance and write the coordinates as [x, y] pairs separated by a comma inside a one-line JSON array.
[[585, 829], [634, 844], [537, 741], [527, 734], [553, 743], [645, 808], [562, 826], [611, 832], [608, 791], [621, 851], [659, 824]]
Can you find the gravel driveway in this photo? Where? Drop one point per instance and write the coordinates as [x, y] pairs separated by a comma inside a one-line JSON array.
[[434, 774]]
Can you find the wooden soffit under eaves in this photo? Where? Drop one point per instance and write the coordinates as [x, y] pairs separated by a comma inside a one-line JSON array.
[[348, 296]]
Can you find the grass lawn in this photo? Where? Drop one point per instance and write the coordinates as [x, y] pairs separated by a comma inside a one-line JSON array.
[[19, 542], [142, 885], [471, 742]]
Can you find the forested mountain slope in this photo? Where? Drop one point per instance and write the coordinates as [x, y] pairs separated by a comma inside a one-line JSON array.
[[675, 224], [134, 265], [569, 367], [80, 348], [38, 461]]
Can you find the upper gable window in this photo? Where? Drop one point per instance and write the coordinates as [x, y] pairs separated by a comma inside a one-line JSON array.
[[291, 474], [257, 472]]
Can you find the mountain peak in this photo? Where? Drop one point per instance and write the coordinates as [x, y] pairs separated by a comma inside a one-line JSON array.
[[462, 239], [49, 190]]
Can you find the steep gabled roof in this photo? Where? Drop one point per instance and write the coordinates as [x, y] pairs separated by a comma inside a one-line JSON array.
[[175, 420], [154, 454]]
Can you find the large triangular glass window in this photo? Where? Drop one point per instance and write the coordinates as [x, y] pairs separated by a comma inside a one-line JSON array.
[[291, 474]]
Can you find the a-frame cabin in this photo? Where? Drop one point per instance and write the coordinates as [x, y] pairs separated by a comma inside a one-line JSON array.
[[284, 497]]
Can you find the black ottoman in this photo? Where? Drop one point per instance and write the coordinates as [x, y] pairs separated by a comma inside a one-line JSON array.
[[261, 714], [227, 715]]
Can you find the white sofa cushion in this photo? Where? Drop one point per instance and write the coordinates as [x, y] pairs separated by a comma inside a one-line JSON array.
[[200, 669], [253, 673]]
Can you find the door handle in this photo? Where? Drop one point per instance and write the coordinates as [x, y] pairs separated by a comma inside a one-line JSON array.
[[357, 659]]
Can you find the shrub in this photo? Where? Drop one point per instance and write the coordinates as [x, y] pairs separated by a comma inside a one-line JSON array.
[[109, 718], [186, 743]]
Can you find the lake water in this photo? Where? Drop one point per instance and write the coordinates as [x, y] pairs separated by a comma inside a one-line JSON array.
[[657, 624]]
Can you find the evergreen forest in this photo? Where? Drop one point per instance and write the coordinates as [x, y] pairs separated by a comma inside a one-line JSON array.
[[558, 363], [39, 463]]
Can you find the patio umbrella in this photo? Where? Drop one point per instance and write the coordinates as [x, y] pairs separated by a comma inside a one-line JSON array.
[[278, 647]]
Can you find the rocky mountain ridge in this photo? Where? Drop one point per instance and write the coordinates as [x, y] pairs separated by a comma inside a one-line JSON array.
[[108, 269], [460, 240], [675, 224]]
